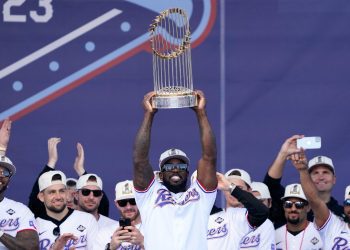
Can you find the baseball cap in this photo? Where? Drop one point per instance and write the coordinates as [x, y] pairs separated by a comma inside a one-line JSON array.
[[71, 182], [262, 189], [46, 179], [7, 163], [171, 154], [89, 179], [294, 191], [321, 160], [347, 193], [239, 174], [124, 190]]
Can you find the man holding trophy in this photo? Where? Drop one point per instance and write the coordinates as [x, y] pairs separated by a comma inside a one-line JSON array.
[[172, 214]]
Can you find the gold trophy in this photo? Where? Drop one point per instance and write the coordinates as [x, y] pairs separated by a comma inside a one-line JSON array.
[[172, 67]]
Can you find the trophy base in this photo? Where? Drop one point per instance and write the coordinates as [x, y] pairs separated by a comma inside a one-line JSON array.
[[173, 102]]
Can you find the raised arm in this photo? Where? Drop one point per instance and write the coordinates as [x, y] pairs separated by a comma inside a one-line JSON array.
[[318, 206], [143, 173], [288, 147], [5, 132], [25, 239], [206, 170], [79, 160]]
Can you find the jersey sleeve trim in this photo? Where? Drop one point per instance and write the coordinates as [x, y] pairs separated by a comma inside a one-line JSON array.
[[325, 224], [147, 188], [204, 189]]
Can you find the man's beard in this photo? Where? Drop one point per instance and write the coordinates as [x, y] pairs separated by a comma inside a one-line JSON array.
[[56, 209], [134, 217], [175, 189], [88, 210], [295, 221]]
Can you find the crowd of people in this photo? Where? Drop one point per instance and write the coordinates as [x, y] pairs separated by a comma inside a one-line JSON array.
[[170, 209]]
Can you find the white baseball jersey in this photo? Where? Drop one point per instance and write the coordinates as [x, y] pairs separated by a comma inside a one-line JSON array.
[[82, 225], [105, 221], [226, 228], [175, 221], [105, 234], [15, 217], [335, 233], [307, 239], [262, 237]]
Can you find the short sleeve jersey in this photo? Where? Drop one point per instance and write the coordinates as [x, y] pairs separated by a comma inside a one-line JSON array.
[[82, 225], [15, 217], [262, 238], [177, 221]]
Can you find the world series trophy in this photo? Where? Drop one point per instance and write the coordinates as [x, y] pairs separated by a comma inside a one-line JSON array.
[[172, 67]]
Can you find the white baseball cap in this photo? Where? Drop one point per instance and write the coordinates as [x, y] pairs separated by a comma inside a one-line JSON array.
[[171, 154], [294, 191], [70, 182], [262, 189], [347, 193], [239, 174], [7, 163], [89, 179], [321, 160], [124, 190], [46, 179]]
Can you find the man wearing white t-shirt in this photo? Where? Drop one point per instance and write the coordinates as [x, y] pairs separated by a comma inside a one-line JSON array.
[[59, 224], [88, 196], [334, 232], [173, 216], [17, 222], [118, 236]]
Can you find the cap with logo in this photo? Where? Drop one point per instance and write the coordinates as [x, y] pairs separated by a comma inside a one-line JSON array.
[[46, 179], [262, 189], [239, 174], [347, 193], [294, 191], [89, 179], [321, 160], [173, 153], [7, 163], [124, 190]]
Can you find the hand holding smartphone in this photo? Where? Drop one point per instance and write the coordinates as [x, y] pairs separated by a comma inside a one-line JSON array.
[[313, 142]]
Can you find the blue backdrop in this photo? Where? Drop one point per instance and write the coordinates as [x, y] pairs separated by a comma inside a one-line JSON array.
[[79, 69]]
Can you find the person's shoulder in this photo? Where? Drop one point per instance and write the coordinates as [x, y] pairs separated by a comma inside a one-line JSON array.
[[15, 204]]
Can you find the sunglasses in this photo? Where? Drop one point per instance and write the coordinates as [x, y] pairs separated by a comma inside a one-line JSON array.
[[56, 231], [5, 173], [298, 204], [173, 166], [86, 192], [122, 203], [347, 202]]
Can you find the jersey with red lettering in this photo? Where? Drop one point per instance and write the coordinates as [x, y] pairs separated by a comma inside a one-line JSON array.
[[105, 234], [262, 237], [82, 225], [335, 233], [309, 238], [226, 228], [175, 221], [15, 217]]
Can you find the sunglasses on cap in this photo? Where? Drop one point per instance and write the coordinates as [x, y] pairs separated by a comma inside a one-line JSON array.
[[5, 173], [123, 203], [347, 202], [298, 204], [173, 166], [86, 192]]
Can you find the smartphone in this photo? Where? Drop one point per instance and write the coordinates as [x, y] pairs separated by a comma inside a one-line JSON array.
[[313, 142], [124, 222]]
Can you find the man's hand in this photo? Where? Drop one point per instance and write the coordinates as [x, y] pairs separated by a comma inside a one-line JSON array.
[[223, 183], [79, 160], [147, 102], [136, 236], [289, 147], [62, 241], [120, 235], [299, 160], [5, 132], [201, 101], [52, 150]]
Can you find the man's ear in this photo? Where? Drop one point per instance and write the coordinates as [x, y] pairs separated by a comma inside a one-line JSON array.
[[40, 196]]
